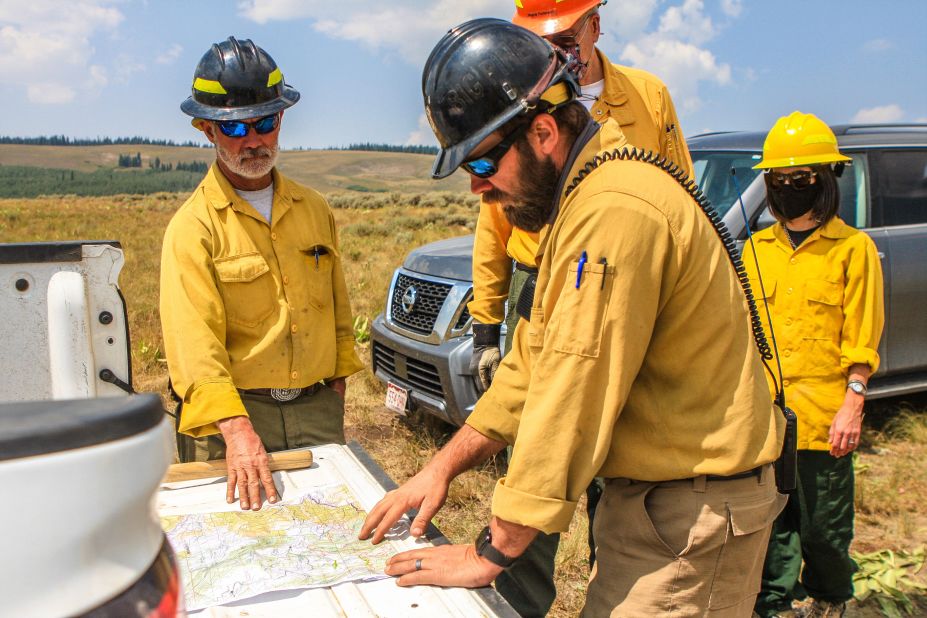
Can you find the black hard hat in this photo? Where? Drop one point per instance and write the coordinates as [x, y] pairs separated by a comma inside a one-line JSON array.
[[236, 80], [481, 75]]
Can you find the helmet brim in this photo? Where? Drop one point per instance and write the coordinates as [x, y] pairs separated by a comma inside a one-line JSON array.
[[767, 164], [449, 159], [544, 27], [196, 109]]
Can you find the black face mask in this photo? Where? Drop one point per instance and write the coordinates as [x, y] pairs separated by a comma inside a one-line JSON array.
[[794, 203]]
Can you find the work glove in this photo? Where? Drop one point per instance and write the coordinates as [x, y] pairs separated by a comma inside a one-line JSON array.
[[486, 353]]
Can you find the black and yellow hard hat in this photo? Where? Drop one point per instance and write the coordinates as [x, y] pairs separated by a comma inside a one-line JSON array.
[[237, 80]]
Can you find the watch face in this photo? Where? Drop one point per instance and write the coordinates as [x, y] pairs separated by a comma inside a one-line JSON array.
[[857, 388]]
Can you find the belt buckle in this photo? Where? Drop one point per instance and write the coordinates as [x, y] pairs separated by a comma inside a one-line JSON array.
[[285, 394]]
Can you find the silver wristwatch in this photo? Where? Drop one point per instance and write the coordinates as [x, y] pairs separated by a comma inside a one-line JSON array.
[[857, 387]]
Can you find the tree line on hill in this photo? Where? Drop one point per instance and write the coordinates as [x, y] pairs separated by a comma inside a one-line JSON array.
[[127, 160], [371, 147], [24, 182], [63, 140]]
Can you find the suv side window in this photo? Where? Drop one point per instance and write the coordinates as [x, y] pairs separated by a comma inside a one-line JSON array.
[[901, 177], [854, 191]]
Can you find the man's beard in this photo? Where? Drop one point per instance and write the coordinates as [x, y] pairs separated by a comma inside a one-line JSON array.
[[250, 162], [530, 207]]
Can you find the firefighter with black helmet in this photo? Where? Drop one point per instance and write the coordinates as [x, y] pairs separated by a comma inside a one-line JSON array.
[[635, 360], [641, 104], [254, 306]]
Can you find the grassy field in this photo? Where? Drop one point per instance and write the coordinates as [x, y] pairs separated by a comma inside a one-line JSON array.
[[376, 232], [325, 170]]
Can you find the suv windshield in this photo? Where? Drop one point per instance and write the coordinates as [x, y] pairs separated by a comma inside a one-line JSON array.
[[713, 175]]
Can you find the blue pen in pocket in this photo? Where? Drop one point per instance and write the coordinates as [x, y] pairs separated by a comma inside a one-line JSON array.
[[579, 269]]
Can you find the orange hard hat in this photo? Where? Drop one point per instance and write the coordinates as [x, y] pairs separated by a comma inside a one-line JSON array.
[[547, 17]]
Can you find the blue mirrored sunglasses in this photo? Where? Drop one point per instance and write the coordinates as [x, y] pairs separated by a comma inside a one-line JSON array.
[[239, 128], [488, 164]]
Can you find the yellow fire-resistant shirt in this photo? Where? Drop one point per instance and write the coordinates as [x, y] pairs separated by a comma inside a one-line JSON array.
[[827, 309], [247, 305], [648, 370], [641, 105]]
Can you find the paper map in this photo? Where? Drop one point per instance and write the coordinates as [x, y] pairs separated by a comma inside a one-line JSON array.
[[307, 542]]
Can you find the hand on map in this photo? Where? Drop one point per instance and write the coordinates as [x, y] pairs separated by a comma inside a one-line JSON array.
[[426, 491], [445, 565], [248, 467]]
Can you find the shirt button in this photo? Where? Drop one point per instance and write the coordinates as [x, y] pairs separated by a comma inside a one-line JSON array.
[[286, 280], [293, 328], [788, 291], [294, 375], [793, 260], [788, 321], [786, 382], [598, 112], [787, 353], [273, 235]]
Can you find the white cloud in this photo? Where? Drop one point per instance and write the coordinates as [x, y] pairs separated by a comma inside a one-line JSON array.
[[687, 22], [877, 45], [676, 53], [674, 48], [170, 55], [623, 20], [48, 49], [882, 113], [732, 8], [680, 65], [423, 135], [410, 30]]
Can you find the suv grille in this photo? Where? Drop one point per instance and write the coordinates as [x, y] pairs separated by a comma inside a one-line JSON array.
[[420, 376], [429, 299]]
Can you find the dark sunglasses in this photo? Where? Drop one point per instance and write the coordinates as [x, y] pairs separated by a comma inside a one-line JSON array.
[[239, 128], [799, 179], [488, 164]]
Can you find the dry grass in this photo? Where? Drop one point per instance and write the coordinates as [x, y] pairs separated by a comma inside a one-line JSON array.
[[326, 170], [892, 481]]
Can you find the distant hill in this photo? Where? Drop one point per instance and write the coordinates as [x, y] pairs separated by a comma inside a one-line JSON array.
[[328, 171]]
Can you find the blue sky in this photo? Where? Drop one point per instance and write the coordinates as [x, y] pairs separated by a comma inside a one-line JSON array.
[[87, 68]]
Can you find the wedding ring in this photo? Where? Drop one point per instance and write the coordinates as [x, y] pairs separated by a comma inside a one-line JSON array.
[[418, 564]]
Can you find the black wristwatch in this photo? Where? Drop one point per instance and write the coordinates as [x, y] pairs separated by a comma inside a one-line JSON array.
[[485, 549]]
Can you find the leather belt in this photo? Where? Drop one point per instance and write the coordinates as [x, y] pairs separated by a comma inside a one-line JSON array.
[[757, 471], [283, 394], [525, 269]]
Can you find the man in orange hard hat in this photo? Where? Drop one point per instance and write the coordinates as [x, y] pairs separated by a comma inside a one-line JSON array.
[[642, 106]]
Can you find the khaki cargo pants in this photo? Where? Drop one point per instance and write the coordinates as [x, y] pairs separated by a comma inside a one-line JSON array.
[[693, 547], [309, 420]]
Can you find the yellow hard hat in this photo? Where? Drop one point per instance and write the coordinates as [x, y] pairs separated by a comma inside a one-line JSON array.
[[799, 139]]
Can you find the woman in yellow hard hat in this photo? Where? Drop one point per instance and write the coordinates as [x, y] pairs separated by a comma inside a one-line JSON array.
[[823, 285]]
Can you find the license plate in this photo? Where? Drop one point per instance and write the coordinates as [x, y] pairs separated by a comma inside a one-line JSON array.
[[396, 398]]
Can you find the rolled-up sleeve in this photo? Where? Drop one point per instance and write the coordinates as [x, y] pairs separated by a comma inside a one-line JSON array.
[[589, 337], [863, 307], [193, 324]]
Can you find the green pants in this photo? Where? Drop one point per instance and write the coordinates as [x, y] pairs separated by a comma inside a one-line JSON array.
[[816, 527], [306, 421], [528, 585]]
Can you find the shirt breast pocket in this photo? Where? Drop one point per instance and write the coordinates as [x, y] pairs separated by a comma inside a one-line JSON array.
[[247, 288], [581, 310], [825, 304], [319, 264]]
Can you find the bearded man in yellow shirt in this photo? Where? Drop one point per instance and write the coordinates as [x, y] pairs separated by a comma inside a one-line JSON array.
[[641, 105], [254, 307], [635, 362]]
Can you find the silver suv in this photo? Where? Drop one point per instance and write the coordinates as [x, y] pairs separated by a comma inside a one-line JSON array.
[[422, 342]]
